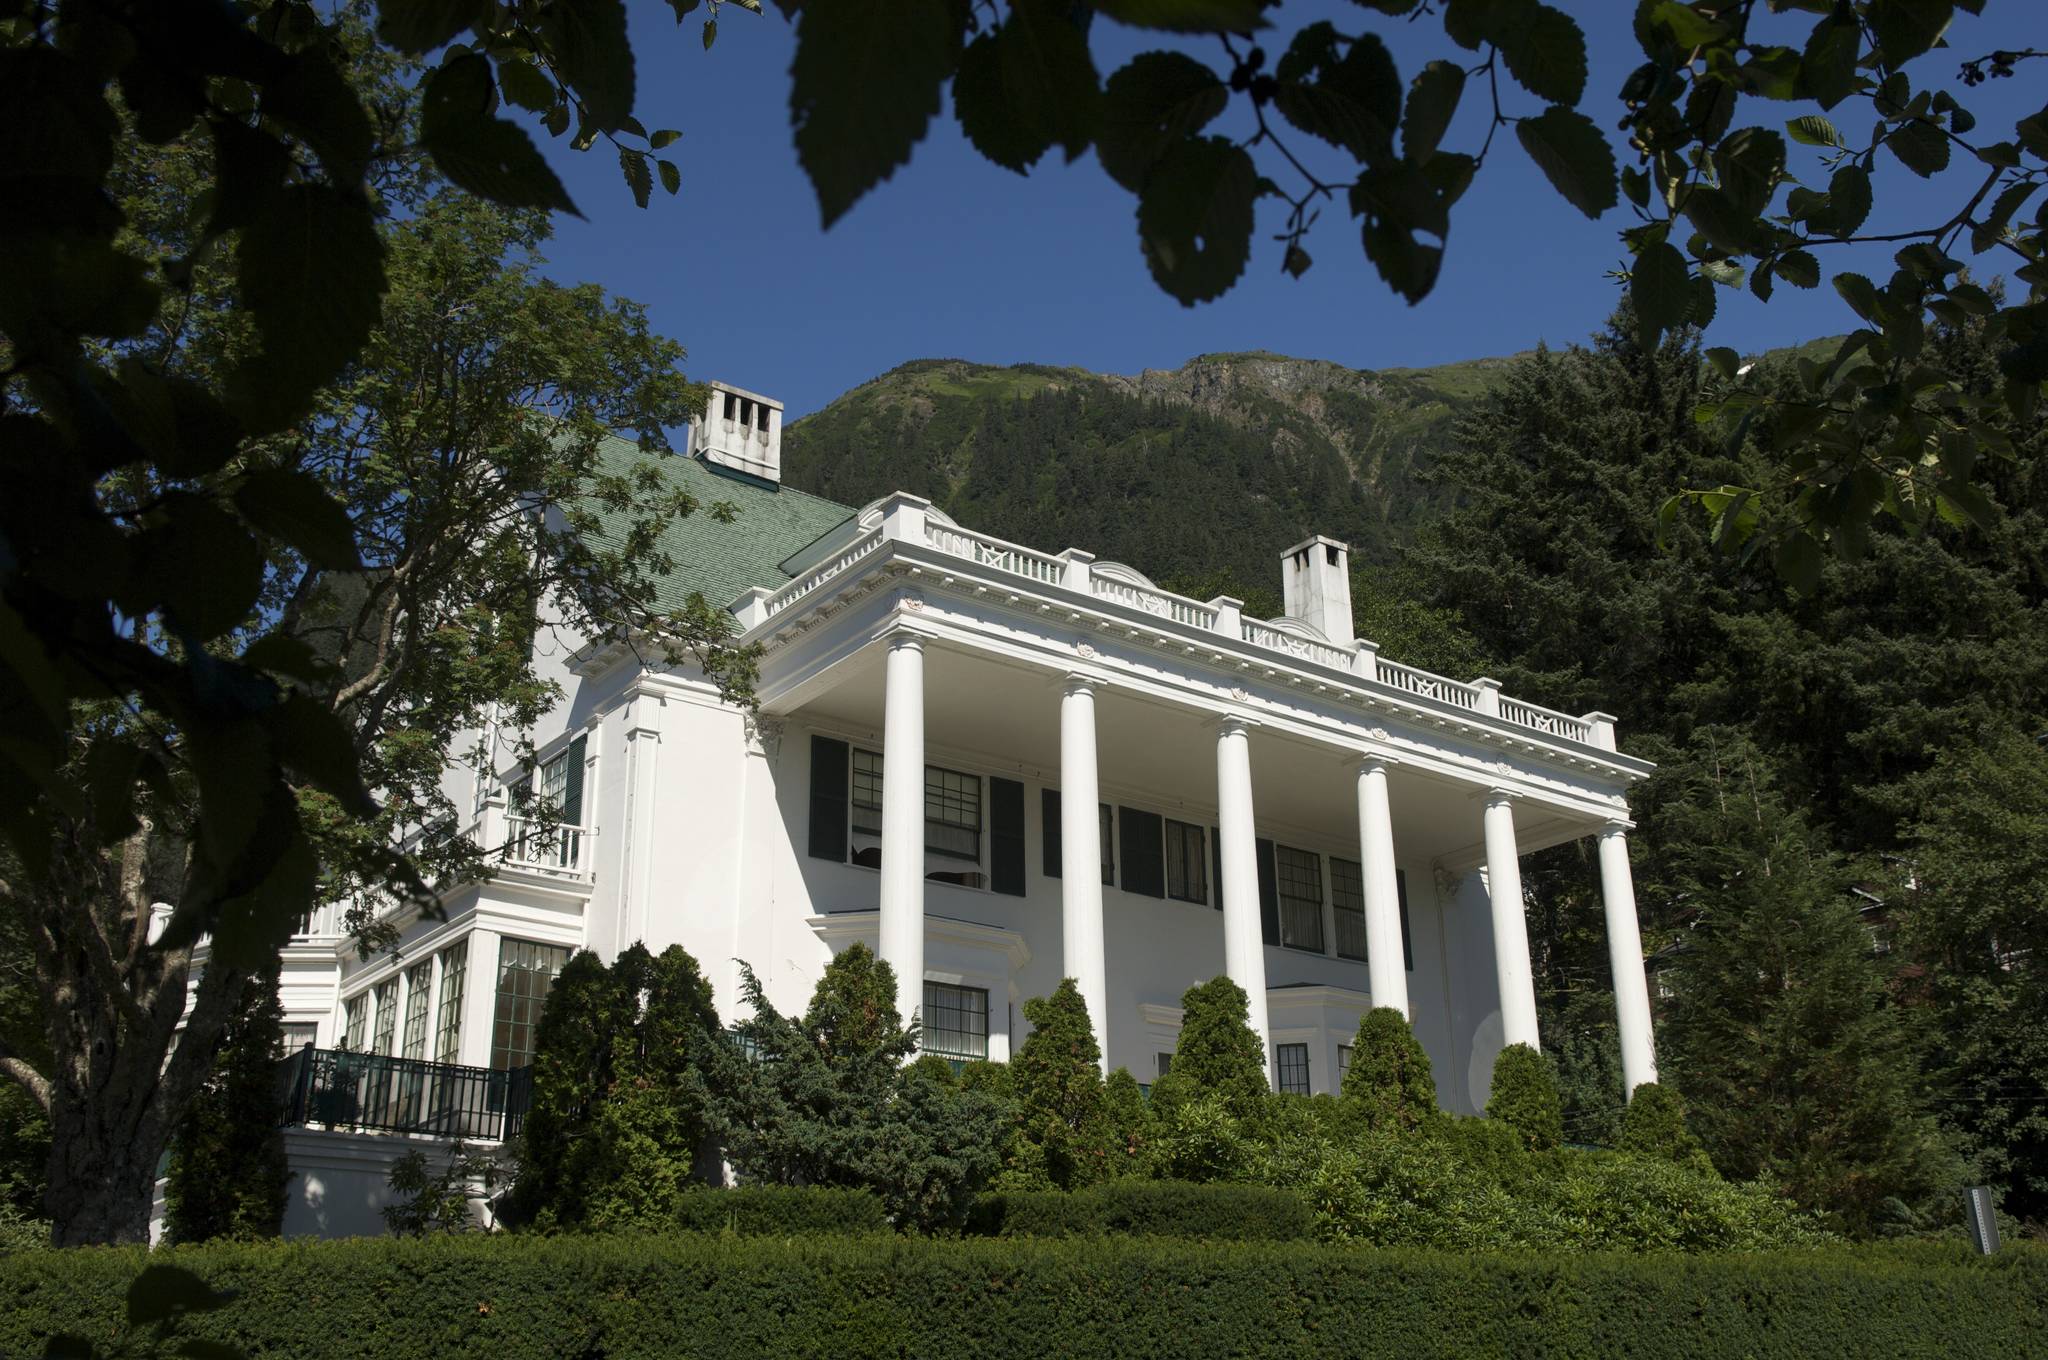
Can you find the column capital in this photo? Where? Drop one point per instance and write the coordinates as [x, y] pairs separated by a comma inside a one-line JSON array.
[[1079, 682], [1498, 796], [1615, 827], [1235, 724], [1370, 761], [904, 640]]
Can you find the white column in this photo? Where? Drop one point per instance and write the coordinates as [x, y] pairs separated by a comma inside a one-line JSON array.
[[1510, 927], [902, 887], [1625, 954], [1081, 856], [1385, 971], [1244, 946]]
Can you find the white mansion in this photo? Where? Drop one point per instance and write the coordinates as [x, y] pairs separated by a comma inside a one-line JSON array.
[[998, 766]]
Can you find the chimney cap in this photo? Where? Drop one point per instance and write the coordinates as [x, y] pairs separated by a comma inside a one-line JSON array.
[[1318, 539], [720, 385]]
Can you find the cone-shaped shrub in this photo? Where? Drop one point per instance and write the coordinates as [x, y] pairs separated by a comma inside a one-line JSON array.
[[1218, 1055], [1057, 1074], [1524, 1097], [1390, 1077], [1654, 1126]]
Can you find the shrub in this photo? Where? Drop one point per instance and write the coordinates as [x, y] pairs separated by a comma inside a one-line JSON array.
[[990, 1078], [1654, 1126], [513, 1297], [1199, 1140], [1057, 1077], [1217, 1054], [783, 1211], [1134, 1208], [1390, 1076], [228, 1172], [1524, 1097], [1127, 1126], [437, 1198], [932, 1067]]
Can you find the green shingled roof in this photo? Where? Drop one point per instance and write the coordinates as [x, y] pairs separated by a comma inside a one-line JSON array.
[[719, 560]]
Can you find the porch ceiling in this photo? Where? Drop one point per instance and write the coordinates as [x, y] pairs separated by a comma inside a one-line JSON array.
[[1006, 717]]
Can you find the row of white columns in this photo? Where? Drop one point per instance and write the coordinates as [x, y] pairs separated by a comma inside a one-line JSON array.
[[1244, 949]]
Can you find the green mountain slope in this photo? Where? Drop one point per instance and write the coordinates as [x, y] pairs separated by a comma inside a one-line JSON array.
[[1208, 470]]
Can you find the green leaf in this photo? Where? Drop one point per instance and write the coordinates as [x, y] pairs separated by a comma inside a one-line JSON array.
[[1352, 102], [1726, 361], [1573, 155], [1660, 288], [1686, 25], [1703, 303], [311, 274], [487, 155], [1848, 200], [1195, 218], [1157, 101], [416, 26], [524, 84], [1813, 130], [201, 564], [1827, 66], [161, 1293], [296, 508], [863, 88], [1546, 53], [639, 178], [1432, 101], [710, 33], [1724, 222], [1799, 268], [1027, 87], [1799, 563], [1751, 163], [1861, 294], [671, 177], [1906, 28], [1920, 146], [1187, 16], [310, 97], [315, 744], [594, 56], [663, 137]]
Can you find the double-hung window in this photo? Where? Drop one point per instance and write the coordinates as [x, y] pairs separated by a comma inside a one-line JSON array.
[[419, 988], [1187, 863], [355, 1018], [1300, 880], [952, 807], [867, 792], [1347, 896], [526, 972], [1291, 1064], [448, 1024], [387, 1017], [955, 1021]]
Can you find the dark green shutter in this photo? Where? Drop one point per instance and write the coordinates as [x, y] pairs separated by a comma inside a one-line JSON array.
[[1049, 834], [572, 789], [1269, 893], [1401, 895], [829, 760], [1006, 836], [1216, 857], [1144, 848]]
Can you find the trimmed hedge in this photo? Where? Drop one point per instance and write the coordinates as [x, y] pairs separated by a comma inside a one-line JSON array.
[[1134, 1208], [783, 1211], [508, 1298]]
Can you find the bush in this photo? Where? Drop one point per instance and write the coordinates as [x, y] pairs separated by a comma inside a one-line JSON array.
[[1134, 1208], [783, 1211], [228, 1174], [1390, 1076], [511, 1298], [1217, 1054], [1654, 1126], [1057, 1075], [1524, 1097]]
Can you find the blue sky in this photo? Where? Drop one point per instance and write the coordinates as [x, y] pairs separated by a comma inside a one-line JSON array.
[[954, 257]]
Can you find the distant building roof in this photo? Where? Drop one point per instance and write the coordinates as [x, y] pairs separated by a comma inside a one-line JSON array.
[[715, 558]]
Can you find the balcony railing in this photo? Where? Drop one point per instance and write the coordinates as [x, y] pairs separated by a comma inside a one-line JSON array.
[[374, 1093], [906, 518], [554, 849]]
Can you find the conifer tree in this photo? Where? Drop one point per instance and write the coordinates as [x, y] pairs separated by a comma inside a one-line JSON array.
[[1524, 1097], [228, 1172], [1390, 1080], [1127, 1126], [1218, 1054], [1654, 1126], [1057, 1077]]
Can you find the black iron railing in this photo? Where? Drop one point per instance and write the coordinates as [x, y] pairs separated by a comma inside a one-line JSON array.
[[372, 1093]]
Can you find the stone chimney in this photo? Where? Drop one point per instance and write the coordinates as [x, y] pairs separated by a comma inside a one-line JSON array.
[[740, 430], [1315, 580]]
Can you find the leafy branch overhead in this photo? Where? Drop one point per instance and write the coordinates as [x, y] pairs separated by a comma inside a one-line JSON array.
[[1716, 202]]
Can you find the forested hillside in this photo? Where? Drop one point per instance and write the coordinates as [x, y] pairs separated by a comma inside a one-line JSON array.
[[1270, 448], [1843, 858]]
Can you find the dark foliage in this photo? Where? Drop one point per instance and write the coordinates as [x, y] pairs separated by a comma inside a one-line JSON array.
[[228, 1173]]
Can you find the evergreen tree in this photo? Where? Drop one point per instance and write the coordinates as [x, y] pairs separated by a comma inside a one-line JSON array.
[[1390, 1082], [620, 1110], [1057, 1077], [1127, 1126], [1524, 1097], [1218, 1055], [1800, 1068], [228, 1173], [1655, 1126]]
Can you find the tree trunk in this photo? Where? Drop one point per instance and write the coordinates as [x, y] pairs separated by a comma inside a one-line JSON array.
[[102, 1175]]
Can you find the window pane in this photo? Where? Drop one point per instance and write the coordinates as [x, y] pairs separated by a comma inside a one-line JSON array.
[[387, 1017], [1108, 840], [1293, 1066], [1343, 1062], [955, 1021], [867, 792], [525, 973], [952, 813], [448, 1026], [1300, 876], [419, 986], [1187, 863], [1164, 1063], [554, 781], [355, 1022], [1347, 895]]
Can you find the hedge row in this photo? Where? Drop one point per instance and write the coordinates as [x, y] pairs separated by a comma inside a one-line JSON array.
[[1134, 1208], [783, 1211], [507, 1298]]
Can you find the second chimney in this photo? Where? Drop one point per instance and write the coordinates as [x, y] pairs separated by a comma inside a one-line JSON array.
[[1315, 582], [741, 430]]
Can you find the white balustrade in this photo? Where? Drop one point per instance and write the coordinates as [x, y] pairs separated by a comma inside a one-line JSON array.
[[1294, 644], [1548, 721], [819, 575], [1427, 685], [994, 552], [530, 844], [1160, 603]]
